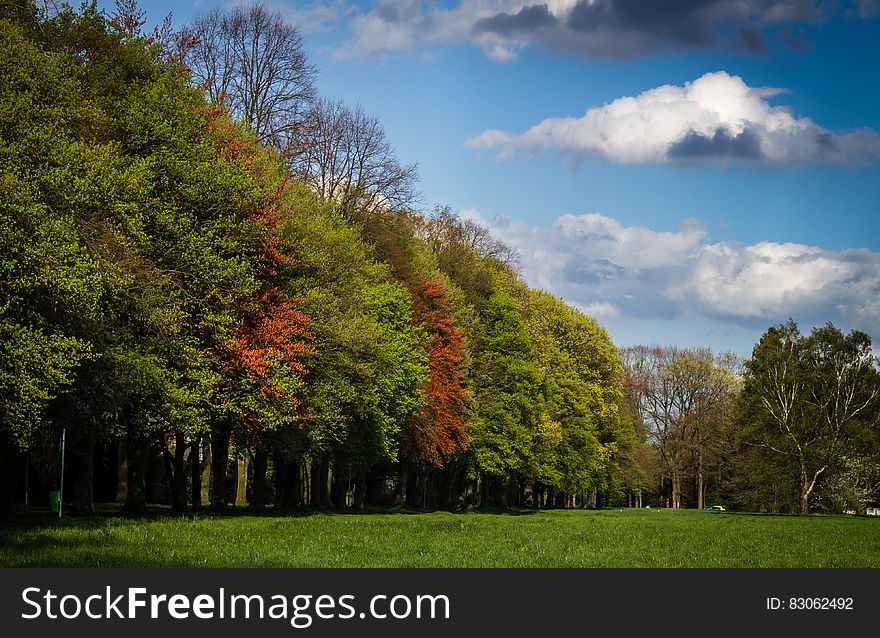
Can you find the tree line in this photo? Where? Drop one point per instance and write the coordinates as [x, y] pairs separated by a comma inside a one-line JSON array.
[[792, 429], [220, 286]]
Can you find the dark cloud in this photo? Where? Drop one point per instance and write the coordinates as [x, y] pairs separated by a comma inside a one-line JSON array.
[[617, 29], [578, 270], [527, 20], [753, 40], [868, 8], [720, 145], [633, 28], [389, 12], [678, 21], [796, 41], [826, 141]]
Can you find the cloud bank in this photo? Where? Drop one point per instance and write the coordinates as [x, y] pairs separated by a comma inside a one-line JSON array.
[[616, 29], [612, 270], [716, 118]]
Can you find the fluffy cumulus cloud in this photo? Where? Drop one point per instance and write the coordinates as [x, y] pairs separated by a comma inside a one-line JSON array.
[[611, 270], [716, 118], [594, 28]]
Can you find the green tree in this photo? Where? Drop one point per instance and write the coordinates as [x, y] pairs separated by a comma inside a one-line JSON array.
[[810, 399], [507, 396], [370, 366]]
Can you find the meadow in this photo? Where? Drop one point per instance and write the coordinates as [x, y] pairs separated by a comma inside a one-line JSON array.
[[513, 538]]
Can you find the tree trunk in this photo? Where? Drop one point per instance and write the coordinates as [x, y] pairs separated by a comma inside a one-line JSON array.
[[7, 486], [297, 481], [290, 479], [175, 470], [241, 477], [280, 466], [219, 461], [315, 483], [258, 497], [807, 486], [325, 477], [423, 490], [195, 462], [207, 468], [180, 465], [307, 475], [339, 488], [402, 481], [485, 491], [122, 470], [84, 486], [360, 490], [136, 495], [676, 490], [700, 485], [500, 493]]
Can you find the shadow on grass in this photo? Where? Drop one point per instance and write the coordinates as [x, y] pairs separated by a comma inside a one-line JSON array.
[[113, 511]]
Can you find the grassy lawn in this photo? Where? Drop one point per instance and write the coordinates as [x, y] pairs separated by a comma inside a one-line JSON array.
[[610, 538]]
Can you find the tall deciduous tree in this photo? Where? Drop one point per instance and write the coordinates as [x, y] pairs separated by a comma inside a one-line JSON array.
[[507, 395], [345, 155], [251, 60], [811, 399], [684, 397], [370, 367], [438, 429]]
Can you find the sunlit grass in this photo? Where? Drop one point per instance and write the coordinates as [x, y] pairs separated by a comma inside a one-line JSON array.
[[609, 538]]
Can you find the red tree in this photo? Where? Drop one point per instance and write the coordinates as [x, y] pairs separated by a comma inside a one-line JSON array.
[[440, 427], [273, 330]]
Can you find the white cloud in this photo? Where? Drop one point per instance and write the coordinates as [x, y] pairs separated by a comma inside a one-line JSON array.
[[599, 309], [716, 118], [611, 270]]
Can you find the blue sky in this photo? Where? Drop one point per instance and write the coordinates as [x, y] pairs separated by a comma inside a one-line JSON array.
[[689, 176]]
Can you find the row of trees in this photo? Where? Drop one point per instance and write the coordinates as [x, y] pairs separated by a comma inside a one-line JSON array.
[[216, 284], [795, 427]]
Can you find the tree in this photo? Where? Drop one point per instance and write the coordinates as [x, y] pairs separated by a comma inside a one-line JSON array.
[[263, 360], [439, 429], [684, 397], [370, 366], [251, 61], [164, 242], [345, 156], [507, 395], [810, 399], [580, 434], [445, 230]]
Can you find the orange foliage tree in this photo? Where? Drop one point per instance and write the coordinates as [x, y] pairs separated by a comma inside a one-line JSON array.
[[439, 428], [265, 355]]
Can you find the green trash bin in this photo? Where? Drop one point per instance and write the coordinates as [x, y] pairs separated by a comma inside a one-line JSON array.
[[54, 501]]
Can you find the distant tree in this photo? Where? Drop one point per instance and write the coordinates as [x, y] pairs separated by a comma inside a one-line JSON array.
[[684, 397], [250, 59], [445, 230]]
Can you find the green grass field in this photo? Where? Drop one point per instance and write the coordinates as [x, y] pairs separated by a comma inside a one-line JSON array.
[[609, 538]]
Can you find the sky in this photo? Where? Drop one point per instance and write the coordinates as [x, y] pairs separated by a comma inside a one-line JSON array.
[[688, 172]]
